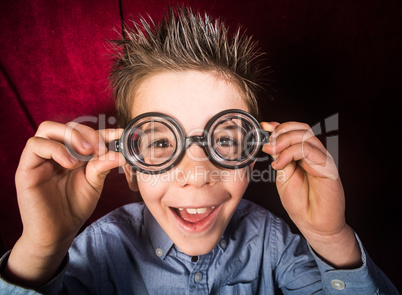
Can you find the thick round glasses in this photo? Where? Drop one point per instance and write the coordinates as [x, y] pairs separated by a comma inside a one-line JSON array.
[[154, 143]]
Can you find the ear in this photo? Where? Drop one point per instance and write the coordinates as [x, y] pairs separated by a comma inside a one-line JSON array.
[[250, 169], [252, 166], [131, 177]]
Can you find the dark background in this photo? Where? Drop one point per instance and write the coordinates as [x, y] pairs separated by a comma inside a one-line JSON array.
[[327, 57]]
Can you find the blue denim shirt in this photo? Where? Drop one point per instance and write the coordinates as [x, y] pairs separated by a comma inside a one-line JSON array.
[[127, 252]]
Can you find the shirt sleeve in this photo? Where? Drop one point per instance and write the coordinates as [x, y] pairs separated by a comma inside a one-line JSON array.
[[367, 279], [52, 287], [76, 275], [299, 270]]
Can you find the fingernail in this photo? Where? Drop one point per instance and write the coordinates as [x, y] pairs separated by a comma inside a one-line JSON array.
[[86, 144], [73, 159]]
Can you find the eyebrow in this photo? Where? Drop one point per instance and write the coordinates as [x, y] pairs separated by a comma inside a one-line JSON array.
[[229, 127], [162, 128], [154, 128]]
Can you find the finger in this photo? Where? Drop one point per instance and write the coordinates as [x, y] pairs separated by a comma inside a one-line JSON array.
[[269, 126], [90, 135], [64, 134], [285, 140], [313, 160], [108, 135], [286, 173], [289, 126], [99, 167], [37, 155], [111, 135]]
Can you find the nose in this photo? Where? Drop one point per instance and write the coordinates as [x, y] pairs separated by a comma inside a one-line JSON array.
[[195, 169], [195, 147]]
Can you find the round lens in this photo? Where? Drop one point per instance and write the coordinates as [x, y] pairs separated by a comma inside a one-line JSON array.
[[152, 142], [234, 138], [228, 139]]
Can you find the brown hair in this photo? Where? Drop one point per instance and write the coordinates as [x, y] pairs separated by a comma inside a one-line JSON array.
[[183, 40]]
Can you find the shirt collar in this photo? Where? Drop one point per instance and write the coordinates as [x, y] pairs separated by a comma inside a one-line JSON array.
[[159, 239]]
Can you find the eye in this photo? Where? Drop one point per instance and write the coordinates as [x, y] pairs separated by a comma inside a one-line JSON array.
[[226, 141], [160, 143]]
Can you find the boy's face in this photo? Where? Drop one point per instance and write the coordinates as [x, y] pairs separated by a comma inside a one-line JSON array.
[[194, 201]]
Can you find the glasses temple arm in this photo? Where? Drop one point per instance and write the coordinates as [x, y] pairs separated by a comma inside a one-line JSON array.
[[115, 146], [265, 136]]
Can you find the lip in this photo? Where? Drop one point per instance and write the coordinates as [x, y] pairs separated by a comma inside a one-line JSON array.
[[198, 227]]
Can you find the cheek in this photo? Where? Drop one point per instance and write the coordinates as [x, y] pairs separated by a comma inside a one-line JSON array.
[[236, 181], [150, 187], [235, 184]]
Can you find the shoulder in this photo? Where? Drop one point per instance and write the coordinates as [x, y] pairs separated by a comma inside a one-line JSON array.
[[130, 213], [266, 232], [126, 218], [252, 219], [248, 210], [110, 233]]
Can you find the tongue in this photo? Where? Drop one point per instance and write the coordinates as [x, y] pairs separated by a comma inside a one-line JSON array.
[[193, 218]]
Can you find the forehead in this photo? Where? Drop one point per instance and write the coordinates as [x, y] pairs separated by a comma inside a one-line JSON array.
[[192, 97]]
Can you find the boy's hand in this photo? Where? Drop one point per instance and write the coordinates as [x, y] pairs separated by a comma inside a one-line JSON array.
[[311, 191], [57, 193]]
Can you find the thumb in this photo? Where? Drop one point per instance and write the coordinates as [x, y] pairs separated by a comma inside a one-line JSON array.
[[99, 167]]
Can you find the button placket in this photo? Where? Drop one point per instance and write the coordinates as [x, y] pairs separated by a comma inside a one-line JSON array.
[[198, 277]]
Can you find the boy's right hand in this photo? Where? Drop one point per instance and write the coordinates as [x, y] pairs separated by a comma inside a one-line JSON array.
[[57, 193]]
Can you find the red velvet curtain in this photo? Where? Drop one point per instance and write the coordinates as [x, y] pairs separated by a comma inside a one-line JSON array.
[[327, 57]]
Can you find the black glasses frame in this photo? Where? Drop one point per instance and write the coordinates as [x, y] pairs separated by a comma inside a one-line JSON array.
[[204, 141]]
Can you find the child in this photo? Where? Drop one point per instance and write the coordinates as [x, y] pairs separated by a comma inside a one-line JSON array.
[[193, 233]]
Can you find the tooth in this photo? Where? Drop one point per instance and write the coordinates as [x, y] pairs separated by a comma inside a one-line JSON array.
[[191, 211], [196, 210], [213, 207]]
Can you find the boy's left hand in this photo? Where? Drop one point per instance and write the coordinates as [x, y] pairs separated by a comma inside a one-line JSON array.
[[311, 191]]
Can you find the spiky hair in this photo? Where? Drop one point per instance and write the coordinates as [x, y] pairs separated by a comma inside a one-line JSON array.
[[183, 40]]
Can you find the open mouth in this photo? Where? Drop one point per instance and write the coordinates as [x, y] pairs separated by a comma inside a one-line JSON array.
[[195, 219]]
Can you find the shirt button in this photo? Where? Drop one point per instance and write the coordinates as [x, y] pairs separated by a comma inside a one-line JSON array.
[[223, 244], [338, 284], [159, 252], [198, 277]]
